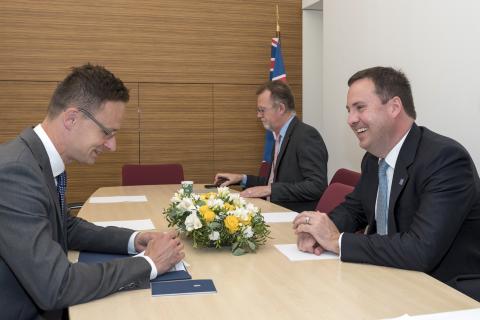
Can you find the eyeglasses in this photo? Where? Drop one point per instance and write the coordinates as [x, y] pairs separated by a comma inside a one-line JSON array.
[[263, 110], [109, 133]]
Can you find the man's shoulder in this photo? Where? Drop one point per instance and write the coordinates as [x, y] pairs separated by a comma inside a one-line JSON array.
[[301, 127], [12, 150], [431, 142]]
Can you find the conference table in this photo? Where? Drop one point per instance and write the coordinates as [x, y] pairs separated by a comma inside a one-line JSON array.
[[265, 284]]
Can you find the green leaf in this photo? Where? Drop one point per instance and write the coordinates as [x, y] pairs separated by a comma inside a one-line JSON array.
[[252, 245], [238, 252], [235, 246]]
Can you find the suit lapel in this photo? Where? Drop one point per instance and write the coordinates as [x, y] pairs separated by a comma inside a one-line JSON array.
[[285, 141], [400, 175]]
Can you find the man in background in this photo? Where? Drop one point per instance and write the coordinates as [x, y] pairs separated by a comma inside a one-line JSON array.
[[418, 196], [298, 174], [36, 278]]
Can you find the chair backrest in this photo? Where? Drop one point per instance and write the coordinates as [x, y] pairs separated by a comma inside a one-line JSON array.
[[264, 170], [145, 174], [345, 176], [333, 196]]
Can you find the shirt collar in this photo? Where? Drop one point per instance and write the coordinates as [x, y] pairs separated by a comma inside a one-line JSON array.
[[391, 158], [284, 129], [56, 161]]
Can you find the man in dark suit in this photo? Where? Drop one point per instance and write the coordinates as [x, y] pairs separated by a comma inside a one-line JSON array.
[[36, 278], [418, 197], [299, 169]]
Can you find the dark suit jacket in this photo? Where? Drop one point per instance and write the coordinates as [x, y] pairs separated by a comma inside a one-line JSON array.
[[434, 210], [301, 170], [35, 274]]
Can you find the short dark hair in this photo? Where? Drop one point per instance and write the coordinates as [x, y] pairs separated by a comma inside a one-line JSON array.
[[388, 84], [280, 93], [88, 87]]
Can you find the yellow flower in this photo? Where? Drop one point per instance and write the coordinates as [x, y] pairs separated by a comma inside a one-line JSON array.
[[207, 213], [206, 196], [228, 206], [231, 222], [248, 220]]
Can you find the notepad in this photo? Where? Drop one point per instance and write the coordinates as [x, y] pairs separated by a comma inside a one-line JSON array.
[[178, 272], [115, 199], [182, 287], [293, 254], [279, 217], [144, 224]]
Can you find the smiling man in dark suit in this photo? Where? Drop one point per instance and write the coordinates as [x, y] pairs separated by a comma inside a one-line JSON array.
[[418, 197], [36, 279], [299, 170]]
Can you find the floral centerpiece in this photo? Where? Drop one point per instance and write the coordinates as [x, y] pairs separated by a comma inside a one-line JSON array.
[[218, 219]]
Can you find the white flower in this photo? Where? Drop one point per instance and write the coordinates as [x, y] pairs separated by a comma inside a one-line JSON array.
[[241, 213], [248, 232], [252, 209], [192, 222], [239, 201], [195, 196], [212, 202], [175, 198], [234, 196], [186, 204], [223, 191], [214, 236]]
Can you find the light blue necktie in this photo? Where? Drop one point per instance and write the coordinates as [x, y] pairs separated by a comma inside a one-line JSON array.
[[382, 200], [61, 188]]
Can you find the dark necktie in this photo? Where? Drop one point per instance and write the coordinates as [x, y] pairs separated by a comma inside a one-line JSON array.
[[61, 188], [382, 200]]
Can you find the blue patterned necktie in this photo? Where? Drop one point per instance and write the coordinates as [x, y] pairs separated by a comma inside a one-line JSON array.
[[382, 200], [61, 188]]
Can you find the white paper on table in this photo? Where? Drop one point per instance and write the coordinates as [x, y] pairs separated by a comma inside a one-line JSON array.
[[181, 265], [293, 254], [115, 199], [145, 224], [469, 314], [277, 217]]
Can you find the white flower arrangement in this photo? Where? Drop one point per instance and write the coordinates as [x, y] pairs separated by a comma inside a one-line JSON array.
[[218, 219]]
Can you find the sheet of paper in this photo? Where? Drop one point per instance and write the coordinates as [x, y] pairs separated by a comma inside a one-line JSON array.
[[470, 314], [115, 199], [178, 267], [293, 254], [145, 224], [278, 217]]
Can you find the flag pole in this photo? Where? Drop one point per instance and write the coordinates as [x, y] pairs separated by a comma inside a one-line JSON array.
[[278, 23]]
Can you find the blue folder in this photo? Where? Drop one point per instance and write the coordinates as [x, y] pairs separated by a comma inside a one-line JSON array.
[[168, 288], [96, 257]]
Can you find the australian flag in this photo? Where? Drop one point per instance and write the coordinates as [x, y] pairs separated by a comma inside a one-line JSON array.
[[277, 72]]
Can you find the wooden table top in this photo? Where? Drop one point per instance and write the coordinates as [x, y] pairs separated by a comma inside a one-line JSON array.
[[266, 284]]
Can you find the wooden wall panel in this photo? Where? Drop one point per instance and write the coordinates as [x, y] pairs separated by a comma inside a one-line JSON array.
[[22, 104], [83, 179], [178, 54], [177, 127], [148, 40], [243, 40], [239, 135]]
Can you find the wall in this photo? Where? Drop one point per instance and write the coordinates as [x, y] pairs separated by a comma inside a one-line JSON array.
[[435, 42], [192, 69], [312, 66]]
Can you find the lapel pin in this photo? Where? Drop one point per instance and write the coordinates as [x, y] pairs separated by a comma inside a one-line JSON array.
[[401, 182]]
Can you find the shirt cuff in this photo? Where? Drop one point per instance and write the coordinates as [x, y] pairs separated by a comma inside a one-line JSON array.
[[131, 243], [340, 246], [243, 183], [154, 272]]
